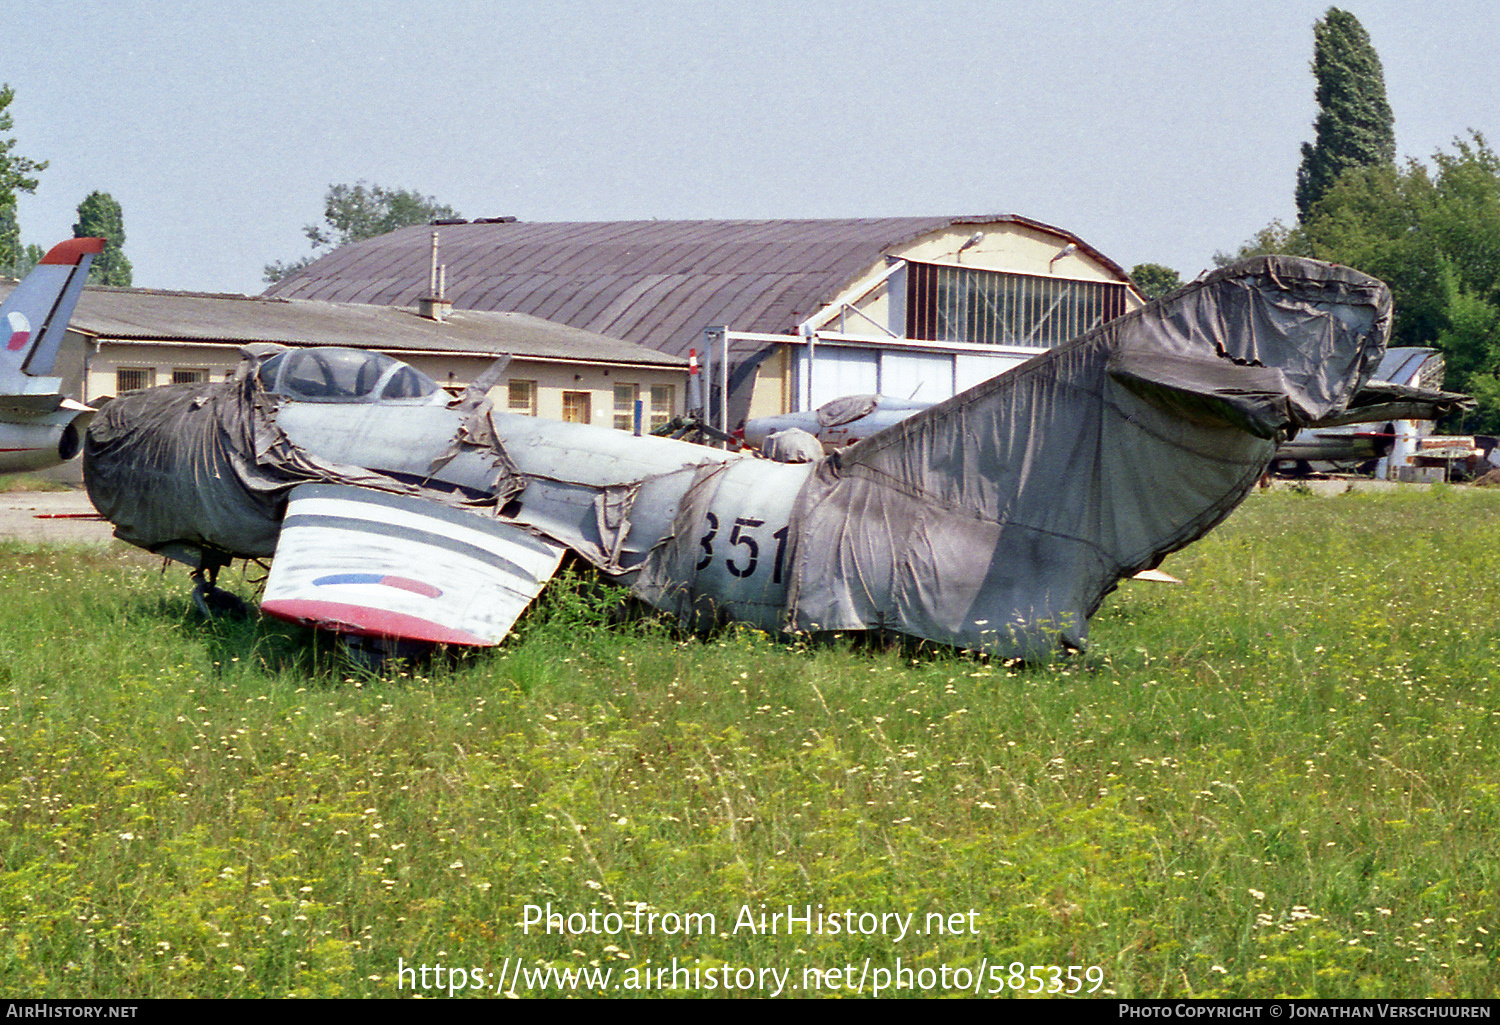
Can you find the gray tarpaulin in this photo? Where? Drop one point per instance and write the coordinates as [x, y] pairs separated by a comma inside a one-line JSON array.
[[1000, 518], [845, 410], [180, 468], [792, 445]]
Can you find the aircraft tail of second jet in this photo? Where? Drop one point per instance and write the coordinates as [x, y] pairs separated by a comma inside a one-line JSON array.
[[35, 317]]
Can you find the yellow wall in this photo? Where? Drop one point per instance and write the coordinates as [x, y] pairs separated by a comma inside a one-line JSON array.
[[552, 378], [599, 382], [772, 393], [160, 360]]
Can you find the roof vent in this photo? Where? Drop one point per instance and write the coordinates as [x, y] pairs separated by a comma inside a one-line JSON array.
[[435, 305]]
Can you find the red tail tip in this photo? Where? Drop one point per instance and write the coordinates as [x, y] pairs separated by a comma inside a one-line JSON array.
[[74, 250]]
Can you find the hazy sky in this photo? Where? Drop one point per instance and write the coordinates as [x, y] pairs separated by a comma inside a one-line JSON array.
[[1158, 131]]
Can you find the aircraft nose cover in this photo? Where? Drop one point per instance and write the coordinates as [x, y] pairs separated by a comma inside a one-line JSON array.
[[999, 519], [176, 464], [202, 466]]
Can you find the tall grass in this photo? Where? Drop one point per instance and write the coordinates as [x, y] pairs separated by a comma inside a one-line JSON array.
[[1278, 778]]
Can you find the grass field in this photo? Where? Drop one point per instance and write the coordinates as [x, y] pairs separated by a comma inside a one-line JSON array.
[[1281, 778]]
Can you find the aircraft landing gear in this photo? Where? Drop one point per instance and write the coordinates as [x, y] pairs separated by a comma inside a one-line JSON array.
[[376, 655], [212, 601]]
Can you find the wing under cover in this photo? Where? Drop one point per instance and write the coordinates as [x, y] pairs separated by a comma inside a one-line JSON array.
[[374, 564]]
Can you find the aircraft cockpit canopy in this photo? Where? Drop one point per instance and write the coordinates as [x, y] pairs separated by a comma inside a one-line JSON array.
[[346, 375]]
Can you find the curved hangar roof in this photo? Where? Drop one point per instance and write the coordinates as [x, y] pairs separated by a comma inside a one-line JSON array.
[[657, 283]]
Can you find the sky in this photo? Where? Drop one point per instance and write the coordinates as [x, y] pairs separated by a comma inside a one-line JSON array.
[[1159, 132]]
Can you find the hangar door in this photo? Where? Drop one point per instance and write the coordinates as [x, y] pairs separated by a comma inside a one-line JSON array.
[[839, 370]]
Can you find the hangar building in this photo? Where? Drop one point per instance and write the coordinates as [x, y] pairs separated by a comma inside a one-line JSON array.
[[807, 310]]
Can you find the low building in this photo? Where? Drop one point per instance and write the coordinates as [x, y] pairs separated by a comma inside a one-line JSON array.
[[124, 339], [805, 310]]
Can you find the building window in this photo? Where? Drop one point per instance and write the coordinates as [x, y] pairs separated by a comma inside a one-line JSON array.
[[965, 304], [134, 379], [189, 375], [522, 398], [625, 396], [576, 408], [663, 402]]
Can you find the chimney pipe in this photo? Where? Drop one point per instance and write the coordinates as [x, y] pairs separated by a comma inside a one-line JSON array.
[[434, 305]]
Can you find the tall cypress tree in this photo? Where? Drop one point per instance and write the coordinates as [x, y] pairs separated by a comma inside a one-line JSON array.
[[1354, 127], [99, 216]]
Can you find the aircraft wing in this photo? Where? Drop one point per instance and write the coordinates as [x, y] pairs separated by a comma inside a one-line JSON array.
[[381, 565], [1386, 400]]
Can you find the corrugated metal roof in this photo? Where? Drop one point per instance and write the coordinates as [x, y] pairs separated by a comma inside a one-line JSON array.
[[659, 283], [149, 315]]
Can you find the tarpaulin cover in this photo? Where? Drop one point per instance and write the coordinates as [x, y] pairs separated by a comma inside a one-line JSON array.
[[1386, 400], [792, 445], [181, 469], [845, 410], [999, 519]]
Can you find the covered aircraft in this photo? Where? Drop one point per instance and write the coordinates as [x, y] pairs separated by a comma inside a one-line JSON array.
[[994, 521], [39, 426], [838, 422]]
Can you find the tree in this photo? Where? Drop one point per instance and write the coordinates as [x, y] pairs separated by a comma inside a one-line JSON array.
[[1155, 280], [352, 213], [16, 175], [10, 239], [1275, 239], [1433, 235], [1354, 127], [99, 216]]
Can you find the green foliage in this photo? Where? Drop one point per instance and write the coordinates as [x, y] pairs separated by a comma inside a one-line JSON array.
[[1155, 280], [1354, 127], [1433, 234], [1471, 344], [99, 216], [16, 175], [352, 213], [16, 172], [10, 239], [1277, 778], [1275, 239], [30, 482]]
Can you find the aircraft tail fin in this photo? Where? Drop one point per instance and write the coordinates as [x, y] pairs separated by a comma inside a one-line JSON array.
[[35, 317], [1000, 518]]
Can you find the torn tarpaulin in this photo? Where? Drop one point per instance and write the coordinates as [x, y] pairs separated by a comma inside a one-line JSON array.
[[181, 468], [1000, 518]]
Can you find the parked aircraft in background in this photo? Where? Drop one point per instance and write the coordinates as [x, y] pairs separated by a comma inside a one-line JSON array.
[[1360, 446], [996, 520], [836, 423], [39, 426]]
